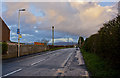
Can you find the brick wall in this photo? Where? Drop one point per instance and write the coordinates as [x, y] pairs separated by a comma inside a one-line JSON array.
[[4, 31]]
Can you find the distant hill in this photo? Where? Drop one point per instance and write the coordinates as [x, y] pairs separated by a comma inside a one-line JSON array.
[[63, 43]]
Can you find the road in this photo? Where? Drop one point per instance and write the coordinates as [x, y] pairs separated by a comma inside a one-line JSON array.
[[63, 62]]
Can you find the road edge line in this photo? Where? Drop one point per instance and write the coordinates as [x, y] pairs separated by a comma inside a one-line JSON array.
[[66, 60]]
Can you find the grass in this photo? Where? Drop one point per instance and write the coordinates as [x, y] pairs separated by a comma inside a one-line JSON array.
[[97, 66]]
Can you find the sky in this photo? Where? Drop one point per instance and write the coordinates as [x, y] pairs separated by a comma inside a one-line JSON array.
[[70, 19]]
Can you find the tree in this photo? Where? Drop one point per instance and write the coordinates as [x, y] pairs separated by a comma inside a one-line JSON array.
[[80, 41], [4, 47], [45, 41], [106, 42]]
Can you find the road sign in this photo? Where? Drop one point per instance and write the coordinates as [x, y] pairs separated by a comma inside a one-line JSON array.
[[18, 31], [20, 36]]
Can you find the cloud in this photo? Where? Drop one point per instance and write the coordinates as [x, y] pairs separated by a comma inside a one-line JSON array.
[[26, 35], [30, 18], [14, 37], [76, 18], [60, 0], [14, 34]]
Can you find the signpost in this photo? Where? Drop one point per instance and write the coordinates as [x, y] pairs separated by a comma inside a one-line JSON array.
[[18, 31]]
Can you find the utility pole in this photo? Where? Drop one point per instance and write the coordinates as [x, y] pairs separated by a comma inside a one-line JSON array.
[[68, 40], [52, 35]]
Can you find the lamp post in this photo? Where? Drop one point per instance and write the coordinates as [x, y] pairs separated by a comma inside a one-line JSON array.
[[18, 31]]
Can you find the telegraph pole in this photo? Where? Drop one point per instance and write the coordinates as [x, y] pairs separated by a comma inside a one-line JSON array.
[[68, 40], [52, 35]]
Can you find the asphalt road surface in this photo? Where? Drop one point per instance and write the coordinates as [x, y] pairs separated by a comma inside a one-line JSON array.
[[63, 62]]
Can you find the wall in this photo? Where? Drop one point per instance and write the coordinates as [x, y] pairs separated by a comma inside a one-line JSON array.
[[0, 29], [24, 50], [5, 31]]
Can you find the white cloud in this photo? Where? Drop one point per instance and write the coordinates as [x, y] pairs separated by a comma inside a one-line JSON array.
[[36, 31], [26, 35], [75, 18], [13, 33], [80, 19], [14, 37], [60, 0]]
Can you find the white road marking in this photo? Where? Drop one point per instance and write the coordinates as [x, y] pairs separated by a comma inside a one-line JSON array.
[[66, 60], [31, 65], [37, 62], [38, 55], [11, 73], [86, 74], [43, 54], [44, 59]]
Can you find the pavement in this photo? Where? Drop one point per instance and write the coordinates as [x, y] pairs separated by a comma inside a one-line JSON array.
[[63, 62]]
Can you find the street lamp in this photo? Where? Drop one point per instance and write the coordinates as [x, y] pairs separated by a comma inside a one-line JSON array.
[[18, 31]]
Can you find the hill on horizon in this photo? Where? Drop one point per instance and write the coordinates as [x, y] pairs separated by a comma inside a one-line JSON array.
[[63, 43]]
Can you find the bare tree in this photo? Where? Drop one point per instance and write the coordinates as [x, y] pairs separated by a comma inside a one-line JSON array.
[[45, 41]]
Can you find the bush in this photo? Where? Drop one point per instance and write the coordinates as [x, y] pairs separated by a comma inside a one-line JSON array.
[[0, 47], [4, 48], [106, 43]]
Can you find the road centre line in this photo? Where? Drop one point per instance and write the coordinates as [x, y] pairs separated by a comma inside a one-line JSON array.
[[21, 69], [37, 56], [41, 60], [45, 54], [37, 62], [11, 73]]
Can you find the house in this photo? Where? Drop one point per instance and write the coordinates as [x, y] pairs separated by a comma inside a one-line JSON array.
[[119, 8], [4, 32]]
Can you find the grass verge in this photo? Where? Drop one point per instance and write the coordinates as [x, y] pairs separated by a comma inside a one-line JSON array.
[[56, 48], [97, 66]]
